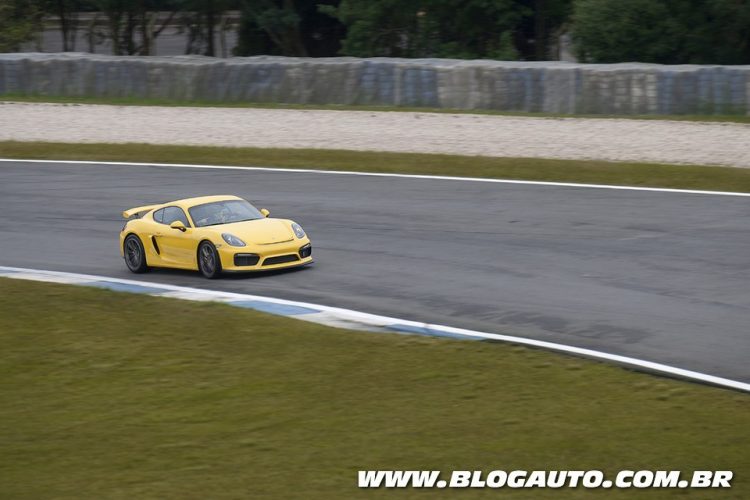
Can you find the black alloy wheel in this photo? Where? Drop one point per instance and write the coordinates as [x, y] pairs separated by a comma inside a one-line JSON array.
[[135, 256], [209, 263]]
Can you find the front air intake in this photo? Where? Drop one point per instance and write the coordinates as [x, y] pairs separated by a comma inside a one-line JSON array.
[[245, 259], [281, 259]]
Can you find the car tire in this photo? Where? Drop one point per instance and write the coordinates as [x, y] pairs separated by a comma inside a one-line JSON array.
[[209, 263], [135, 255]]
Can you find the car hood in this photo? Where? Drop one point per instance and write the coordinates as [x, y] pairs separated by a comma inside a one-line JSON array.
[[260, 231]]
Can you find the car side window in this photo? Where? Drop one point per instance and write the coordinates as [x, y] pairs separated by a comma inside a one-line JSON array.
[[158, 215], [172, 214]]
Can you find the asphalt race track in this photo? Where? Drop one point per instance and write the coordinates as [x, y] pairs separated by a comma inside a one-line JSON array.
[[659, 276]]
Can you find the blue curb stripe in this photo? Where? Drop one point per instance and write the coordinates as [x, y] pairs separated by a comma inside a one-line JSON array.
[[270, 307], [423, 330], [125, 287]]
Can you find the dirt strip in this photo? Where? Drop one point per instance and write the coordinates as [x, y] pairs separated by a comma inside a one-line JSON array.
[[705, 143]]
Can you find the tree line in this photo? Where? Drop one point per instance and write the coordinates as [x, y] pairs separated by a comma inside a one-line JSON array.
[[602, 31]]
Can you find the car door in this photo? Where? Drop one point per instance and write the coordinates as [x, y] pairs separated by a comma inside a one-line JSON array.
[[154, 229], [177, 248]]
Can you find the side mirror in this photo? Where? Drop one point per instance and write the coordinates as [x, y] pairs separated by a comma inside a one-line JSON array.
[[265, 212], [178, 225]]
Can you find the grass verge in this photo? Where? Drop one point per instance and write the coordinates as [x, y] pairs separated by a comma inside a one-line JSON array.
[[134, 101], [534, 169], [111, 395]]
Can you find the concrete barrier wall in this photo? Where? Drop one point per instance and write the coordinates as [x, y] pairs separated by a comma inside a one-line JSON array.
[[551, 87]]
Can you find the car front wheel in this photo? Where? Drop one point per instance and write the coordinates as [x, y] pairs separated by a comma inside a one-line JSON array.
[[135, 256], [209, 263]]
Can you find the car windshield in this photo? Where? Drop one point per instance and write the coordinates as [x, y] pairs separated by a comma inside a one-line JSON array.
[[223, 212]]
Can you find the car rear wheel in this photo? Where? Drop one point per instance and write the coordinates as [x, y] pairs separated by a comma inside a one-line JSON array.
[[135, 256], [209, 263]]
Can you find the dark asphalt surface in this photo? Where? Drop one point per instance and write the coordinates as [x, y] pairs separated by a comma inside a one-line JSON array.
[[663, 277]]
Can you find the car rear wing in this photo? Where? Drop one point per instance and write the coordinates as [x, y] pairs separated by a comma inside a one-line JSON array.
[[138, 210]]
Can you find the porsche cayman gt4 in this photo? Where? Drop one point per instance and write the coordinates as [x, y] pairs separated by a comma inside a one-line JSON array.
[[211, 234]]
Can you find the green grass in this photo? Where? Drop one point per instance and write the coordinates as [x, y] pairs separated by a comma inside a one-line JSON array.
[[134, 101], [108, 395], [535, 169]]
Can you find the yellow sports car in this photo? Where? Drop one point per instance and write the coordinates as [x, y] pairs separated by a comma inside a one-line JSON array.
[[211, 234]]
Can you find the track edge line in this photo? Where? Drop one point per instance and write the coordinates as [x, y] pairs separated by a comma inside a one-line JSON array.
[[383, 174]]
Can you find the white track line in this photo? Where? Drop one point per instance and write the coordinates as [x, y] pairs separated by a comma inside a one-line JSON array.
[[378, 174], [375, 322]]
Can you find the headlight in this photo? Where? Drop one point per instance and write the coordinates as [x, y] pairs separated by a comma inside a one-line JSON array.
[[298, 230], [233, 240]]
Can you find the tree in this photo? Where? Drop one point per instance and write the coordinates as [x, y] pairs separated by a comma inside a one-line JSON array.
[[289, 28], [19, 21], [541, 26], [131, 24], [608, 31], [66, 11], [384, 28], [663, 31], [496, 29], [200, 18], [725, 34]]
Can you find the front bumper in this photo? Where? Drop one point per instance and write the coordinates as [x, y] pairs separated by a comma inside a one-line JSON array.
[[267, 257]]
